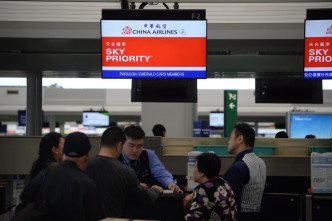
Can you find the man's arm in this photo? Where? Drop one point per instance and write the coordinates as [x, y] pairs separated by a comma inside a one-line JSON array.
[[158, 170], [137, 193]]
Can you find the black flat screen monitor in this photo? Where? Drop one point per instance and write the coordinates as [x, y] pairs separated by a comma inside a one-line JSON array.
[[318, 44], [164, 90], [153, 44], [95, 119], [288, 90]]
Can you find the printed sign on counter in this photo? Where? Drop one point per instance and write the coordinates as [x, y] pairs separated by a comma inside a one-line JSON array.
[[321, 172], [191, 160]]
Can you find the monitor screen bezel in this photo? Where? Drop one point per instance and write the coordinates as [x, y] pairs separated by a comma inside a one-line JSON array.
[[154, 14], [288, 120], [216, 112], [314, 15], [101, 112], [304, 49]]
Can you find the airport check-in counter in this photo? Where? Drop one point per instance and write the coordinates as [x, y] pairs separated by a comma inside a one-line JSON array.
[[288, 173], [288, 169]]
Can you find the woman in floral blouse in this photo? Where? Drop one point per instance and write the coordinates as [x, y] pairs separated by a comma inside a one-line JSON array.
[[213, 199]]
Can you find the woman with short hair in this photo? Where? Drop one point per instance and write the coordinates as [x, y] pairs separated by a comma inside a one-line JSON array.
[[213, 198]]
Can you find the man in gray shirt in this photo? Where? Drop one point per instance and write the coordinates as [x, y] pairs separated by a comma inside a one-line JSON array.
[[117, 183]]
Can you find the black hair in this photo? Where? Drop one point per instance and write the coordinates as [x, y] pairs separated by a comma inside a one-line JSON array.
[[247, 132], [310, 136], [281, 134], [158, 130], [112, 136], [209, 164], [134, 132], [45, 157]]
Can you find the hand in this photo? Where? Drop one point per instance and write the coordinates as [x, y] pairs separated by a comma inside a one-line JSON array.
[[188, 200], [145, 186], [176, 189], [158, 187]]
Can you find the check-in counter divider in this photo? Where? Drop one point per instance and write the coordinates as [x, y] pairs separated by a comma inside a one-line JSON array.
[[18, 153], [182, 146], [286, 157], [264, 146]]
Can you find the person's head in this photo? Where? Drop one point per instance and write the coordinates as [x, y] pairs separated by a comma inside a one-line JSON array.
[[207, 166], [281, 134], [159, 130], [242, 138], [310, 136], [51, 147], [50, 150], [133, 146], [77, 148], [113, 137]]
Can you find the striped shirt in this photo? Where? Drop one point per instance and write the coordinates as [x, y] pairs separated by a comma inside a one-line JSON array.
[[247, 177], [253, 191]]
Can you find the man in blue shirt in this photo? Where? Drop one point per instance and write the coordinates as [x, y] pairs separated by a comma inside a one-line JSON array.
[[147, 166]]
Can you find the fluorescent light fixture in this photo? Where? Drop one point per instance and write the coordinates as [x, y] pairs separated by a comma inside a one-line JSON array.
[[98, 83], [13, 82], [327, 84], [88, 83], [226, 84]]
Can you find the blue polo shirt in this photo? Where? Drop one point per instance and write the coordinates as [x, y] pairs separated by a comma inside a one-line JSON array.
[[157, 169], [238, 176]]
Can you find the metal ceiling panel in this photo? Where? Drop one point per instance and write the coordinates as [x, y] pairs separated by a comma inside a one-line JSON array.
[[217, 12]]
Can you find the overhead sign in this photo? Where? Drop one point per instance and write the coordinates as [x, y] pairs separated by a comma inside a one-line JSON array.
[[153, 48], [230, 109], [318, 49]]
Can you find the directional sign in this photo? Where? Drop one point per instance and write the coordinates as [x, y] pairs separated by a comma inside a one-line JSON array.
[[232, 105], [230, 110]]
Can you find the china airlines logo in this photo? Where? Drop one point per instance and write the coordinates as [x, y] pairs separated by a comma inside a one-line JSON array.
[[329, 31], [126, 30]]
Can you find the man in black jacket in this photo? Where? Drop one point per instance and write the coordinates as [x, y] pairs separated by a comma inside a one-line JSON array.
[[69, 193], [118, 185]]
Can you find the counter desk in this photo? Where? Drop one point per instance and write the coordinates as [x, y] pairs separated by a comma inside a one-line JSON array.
[[275, 207], [167, 207], [288, 171]]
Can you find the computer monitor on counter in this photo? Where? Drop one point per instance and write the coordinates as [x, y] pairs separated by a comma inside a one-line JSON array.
[[95, 119], [300, 124], [216, 119]]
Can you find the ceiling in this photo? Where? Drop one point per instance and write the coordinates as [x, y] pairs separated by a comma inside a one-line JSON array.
[[245, 38]]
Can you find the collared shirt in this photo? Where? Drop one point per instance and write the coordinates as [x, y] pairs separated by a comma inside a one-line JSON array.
[[238, 175], [157, 169], [247, 177]]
